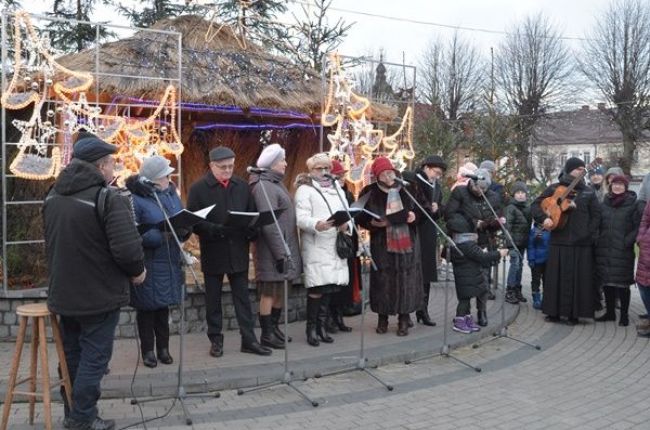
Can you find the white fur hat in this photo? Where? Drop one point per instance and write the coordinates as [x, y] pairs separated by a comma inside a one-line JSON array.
[[270, 155]]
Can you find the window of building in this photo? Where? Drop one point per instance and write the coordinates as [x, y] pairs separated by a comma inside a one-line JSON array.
[[586, 157], [563, 158]]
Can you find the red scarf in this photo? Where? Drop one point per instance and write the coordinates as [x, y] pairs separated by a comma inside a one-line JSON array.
[[224, 183]]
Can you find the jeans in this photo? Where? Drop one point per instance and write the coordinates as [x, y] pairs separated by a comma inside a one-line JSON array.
[[153, 326], [644, 292], [516, 268], [88, 346], [241, 300]]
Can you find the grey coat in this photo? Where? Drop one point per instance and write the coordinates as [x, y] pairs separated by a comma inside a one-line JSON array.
[[269, 250]]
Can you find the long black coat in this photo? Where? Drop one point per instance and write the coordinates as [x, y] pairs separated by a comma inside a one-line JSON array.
[[396, 287], [427, 232], [568, 283], [223, 249], [615, 247]]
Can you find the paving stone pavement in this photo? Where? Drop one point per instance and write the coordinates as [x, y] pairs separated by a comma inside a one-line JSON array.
[[591, 376]]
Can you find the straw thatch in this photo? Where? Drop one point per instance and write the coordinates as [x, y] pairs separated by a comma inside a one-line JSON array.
[[215, 71]]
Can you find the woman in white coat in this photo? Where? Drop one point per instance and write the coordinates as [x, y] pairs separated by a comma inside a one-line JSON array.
[[316, 199]]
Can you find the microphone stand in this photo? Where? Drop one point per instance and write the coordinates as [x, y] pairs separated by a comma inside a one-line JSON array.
[[503, 332], [181, 393], [365, 252], [445, 350], [287, 376]]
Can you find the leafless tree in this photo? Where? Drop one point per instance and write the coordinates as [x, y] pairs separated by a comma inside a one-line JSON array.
[[312, 35], [533, 67], [617, 61], [450, 75]]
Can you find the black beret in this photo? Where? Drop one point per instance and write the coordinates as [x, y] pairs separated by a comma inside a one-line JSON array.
[[89, 147], [221, 153], [434, 161]]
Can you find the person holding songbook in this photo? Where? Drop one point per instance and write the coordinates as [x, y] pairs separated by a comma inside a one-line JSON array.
[[272, 265], [163, 286], [317, 199], [225, 248], [396, 287]]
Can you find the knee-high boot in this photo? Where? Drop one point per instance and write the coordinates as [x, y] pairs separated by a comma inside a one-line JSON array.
[[313, 307], [610, 300], [323, 313], [276, 313]]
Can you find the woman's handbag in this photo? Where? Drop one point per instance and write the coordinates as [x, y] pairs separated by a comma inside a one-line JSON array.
[[344, 245]]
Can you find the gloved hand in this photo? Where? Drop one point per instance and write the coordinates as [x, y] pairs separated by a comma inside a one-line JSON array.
[[279, 266]]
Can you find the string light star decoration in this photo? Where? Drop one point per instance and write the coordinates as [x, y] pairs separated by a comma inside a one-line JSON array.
[[399, 145]]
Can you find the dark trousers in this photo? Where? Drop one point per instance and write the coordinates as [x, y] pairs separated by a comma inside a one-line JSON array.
[[624, 295], [153, 325], [88, 346], [465, 307], [537, 273], [214, 313]]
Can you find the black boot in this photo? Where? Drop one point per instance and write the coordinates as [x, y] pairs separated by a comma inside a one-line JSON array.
[[337, 319], [330, 322], [276, 313], [481, 318], [164, 356], [422, 316], [511, 296], [382, 324], [268, 337], [323, 313], [624, 297], [149, 359], [403, 325], [313, 306], [519, 295], [610, 298]]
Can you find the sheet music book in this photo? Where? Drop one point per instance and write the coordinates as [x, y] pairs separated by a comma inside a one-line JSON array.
[[398, 217], [341, 217], [186, 219], [251, 219]]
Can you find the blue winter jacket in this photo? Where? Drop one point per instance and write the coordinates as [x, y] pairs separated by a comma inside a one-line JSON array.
[[538, 242], [164, 282]]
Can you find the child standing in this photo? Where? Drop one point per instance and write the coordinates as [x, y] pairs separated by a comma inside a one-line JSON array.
[[518, 221], [538, 241]]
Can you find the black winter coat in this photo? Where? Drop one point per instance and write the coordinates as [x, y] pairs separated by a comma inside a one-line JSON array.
[[90, 260], [224, 249], [581, 228], [469, 268], [518, 222], [465, 207], [615, 247], [427, 232]]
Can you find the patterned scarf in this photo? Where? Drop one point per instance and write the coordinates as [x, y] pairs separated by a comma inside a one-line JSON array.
[[398, 237]]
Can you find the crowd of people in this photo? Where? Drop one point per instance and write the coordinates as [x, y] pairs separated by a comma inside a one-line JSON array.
[[577, 252]]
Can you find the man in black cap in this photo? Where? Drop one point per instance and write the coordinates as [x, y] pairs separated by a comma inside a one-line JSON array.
[[568, 284], [224, 248], [428, 191], [93, 252]]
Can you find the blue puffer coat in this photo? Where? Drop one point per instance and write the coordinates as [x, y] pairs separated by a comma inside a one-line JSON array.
[[538, 241], [165, 277]]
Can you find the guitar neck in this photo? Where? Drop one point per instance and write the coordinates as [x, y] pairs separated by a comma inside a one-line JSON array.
[[571, 186]]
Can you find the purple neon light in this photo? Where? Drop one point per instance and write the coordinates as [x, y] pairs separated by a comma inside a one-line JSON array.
[[254, 126], [202, 107]]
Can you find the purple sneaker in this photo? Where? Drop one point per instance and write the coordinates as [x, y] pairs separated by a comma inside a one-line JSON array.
[[469, 321], [460, 325]]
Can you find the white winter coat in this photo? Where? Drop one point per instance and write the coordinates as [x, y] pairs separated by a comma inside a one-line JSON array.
[[321, 263]]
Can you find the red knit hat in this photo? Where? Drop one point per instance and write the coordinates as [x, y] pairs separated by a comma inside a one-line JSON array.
[[621, 179], [337, 168], [381, 164]]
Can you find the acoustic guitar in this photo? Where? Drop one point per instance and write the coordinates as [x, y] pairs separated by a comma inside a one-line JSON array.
[[561, 202]]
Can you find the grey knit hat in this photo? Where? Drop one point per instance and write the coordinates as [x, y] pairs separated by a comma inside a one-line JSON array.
[[519, 186], [155, 167], [484, 179]]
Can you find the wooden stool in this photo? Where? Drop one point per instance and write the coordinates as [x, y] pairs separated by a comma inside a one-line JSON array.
[[38, 312]]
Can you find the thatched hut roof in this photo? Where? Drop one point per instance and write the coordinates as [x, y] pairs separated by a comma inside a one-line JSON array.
[[216, 71]]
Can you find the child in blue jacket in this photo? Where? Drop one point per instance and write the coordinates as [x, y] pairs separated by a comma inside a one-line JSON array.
[[538, 241]]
